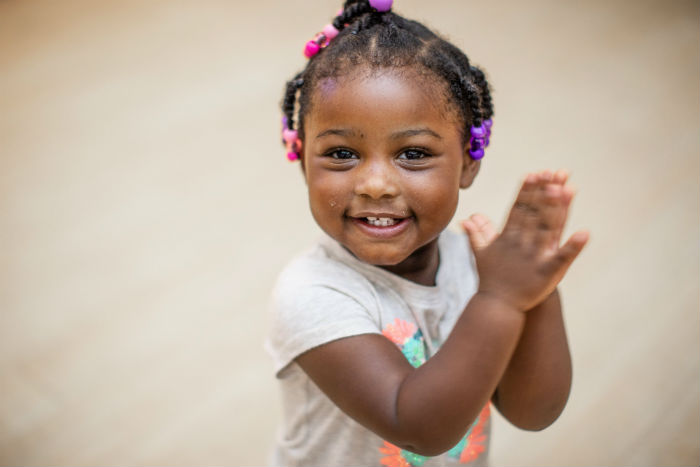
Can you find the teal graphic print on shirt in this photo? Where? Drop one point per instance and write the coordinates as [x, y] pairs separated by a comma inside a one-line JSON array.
[[410, 340]]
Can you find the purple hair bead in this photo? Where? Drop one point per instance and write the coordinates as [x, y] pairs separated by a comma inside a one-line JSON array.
[[480, 139], [477, 143], [292, 156], [381, 5], [478, 131], [476, 154]]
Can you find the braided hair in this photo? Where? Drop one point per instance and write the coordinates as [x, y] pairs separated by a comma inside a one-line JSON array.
[[380, 40]]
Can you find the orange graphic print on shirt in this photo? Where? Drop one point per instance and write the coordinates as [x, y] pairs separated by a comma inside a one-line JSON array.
[[410, 340]]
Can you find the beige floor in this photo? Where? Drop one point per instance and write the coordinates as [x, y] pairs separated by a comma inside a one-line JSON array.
[[146, 206]]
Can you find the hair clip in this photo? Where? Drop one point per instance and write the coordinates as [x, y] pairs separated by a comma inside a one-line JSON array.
[[479, 139]]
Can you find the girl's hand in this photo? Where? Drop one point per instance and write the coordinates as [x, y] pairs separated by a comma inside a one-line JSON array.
[[524, 263]]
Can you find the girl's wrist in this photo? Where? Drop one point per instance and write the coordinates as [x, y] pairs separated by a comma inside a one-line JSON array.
[[550, 300], [500, 301]]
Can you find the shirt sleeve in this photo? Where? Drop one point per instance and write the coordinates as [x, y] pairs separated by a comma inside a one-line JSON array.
[[312, 315]]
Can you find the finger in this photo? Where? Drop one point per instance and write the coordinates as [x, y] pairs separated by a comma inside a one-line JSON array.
[[545, 176], [562, 216], [474, 235], [533, 212], [560, 177], [522, 210], [551, 212], [571, 249], [488, 232]]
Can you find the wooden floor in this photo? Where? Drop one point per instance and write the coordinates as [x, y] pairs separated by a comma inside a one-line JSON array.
[[146, 207]]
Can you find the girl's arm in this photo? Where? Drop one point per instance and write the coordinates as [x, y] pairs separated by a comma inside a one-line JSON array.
[[427, 410], [535, 386]]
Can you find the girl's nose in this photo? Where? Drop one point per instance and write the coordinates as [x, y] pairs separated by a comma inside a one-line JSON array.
[[377, 179]]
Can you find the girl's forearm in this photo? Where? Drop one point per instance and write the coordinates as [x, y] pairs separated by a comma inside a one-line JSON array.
[[437, 402], [535, 386]]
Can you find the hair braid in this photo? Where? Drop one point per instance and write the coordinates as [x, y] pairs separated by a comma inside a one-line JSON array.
[[290, 96], [351, 11], [480, 81], [473, 93]]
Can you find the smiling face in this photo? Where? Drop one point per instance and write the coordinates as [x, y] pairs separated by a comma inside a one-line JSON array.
[[384, 159]]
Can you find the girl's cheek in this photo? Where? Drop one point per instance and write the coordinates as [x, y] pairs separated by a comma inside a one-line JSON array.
[[337, 201]]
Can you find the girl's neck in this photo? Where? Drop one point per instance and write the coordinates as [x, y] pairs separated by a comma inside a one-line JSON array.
[[421, 266]]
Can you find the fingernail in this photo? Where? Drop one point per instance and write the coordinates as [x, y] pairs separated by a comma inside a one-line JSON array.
[[581, 236]]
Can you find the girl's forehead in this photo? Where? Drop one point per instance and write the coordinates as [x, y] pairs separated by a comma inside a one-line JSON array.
[[389, 89], [422, 83]]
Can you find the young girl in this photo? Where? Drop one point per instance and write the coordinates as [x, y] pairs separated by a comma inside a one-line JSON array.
[[393, 336]]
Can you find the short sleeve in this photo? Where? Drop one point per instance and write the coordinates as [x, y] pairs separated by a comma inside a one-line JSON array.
[[308, 316]]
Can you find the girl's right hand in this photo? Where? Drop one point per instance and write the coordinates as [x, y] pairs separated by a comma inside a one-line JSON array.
[[524, 263]]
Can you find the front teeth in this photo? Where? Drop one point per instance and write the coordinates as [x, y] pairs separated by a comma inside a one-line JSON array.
[[381, 221]]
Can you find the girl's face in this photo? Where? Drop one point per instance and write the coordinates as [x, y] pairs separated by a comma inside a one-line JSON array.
[[384, 160]]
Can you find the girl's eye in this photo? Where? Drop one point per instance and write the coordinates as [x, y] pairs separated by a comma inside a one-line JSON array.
[[413, 154], [341, 154]]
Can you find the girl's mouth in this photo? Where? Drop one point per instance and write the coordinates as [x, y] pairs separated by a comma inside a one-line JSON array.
[[382, 227], [381, 221]]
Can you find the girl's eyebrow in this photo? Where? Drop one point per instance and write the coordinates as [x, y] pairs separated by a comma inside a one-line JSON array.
[[396, 135], [415, 132], [339, 132]]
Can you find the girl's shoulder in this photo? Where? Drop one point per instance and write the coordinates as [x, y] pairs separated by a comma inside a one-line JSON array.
[[325, 271], [318, 298]]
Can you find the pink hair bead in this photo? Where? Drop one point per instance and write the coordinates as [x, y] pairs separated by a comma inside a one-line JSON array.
[[329, 31], [311, 49], [292, 156], [289, 135], [381, 5]]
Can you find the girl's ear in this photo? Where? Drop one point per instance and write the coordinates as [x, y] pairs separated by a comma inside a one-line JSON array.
[[470, 168]]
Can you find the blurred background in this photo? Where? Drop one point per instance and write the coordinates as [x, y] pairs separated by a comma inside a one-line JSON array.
[[146, 207]]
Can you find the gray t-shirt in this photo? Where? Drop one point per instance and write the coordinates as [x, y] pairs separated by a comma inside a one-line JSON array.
[[327, 294]]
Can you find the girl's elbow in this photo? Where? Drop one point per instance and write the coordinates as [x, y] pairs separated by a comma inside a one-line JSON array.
[[426, 449], [531, 425], [533, 416], [535, 421], [432, 444]]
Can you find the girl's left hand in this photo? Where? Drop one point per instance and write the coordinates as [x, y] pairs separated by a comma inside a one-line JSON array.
[[525, 262]]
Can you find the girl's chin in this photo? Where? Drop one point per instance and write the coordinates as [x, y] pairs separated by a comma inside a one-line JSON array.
[[378, 258]]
